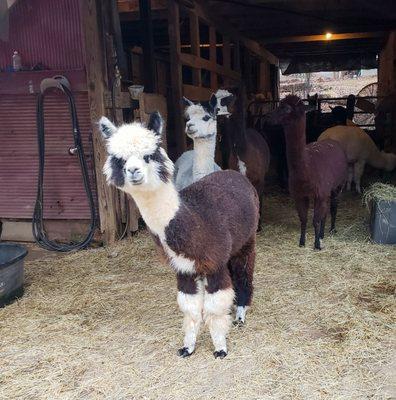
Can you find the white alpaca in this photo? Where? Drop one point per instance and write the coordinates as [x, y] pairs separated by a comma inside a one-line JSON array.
[[207, 231], [201, 127], [360, 150]]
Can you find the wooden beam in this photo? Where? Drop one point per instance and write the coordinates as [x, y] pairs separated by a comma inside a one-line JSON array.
[[125, 6], [195, 46], [176, 74], [94, 57], [206, 14], [146, 27], [198, 62], [320, 38]]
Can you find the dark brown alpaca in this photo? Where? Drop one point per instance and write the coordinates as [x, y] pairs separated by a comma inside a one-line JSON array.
[[246, 150], [317, 170], [206, 231]]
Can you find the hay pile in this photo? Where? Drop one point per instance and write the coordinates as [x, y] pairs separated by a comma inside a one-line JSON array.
[[379, 192], [104, 324]]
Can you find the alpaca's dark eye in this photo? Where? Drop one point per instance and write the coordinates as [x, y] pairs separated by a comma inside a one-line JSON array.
[[146, 158], [206, 118]]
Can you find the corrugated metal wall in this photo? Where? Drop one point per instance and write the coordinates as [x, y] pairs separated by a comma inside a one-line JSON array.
[[44, 31], [63, 187]]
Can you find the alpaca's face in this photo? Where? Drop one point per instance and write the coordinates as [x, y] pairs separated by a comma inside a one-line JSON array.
[[200, 122], [136, 161], [224, 101]]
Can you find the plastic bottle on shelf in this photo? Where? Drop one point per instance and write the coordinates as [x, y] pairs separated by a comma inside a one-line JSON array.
[[16, 61]]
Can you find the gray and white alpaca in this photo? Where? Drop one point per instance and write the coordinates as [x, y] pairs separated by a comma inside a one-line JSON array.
[[206, 231], [201, 127]]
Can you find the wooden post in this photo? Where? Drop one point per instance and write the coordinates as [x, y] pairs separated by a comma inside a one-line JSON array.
[[226, 57], [176, 74], [247, 70], [237, 56], [94, 57], [212, 56], [146, 25], [195, 49], [121, 58]]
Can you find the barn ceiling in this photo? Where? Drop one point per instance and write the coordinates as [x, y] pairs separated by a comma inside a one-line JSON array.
[[285, 27]]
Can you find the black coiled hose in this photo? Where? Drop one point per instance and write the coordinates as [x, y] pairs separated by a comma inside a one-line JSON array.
[[38, 223]]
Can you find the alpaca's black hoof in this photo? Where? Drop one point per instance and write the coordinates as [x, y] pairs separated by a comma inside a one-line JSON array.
[[238, 322], [183, 352], [302, 244], [220, 354], [333, 231]]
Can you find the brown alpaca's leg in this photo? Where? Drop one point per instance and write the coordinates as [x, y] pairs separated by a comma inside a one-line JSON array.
[[261, 195], [320, 209], [333, 210], [218, 300], [241, 267], [302, 205], [322, 228], [190, 298]]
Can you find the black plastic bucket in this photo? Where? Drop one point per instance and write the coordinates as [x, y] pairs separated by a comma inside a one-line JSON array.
[[11, 272]]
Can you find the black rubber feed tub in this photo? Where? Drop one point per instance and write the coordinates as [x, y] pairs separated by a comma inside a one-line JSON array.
[[11, 272]]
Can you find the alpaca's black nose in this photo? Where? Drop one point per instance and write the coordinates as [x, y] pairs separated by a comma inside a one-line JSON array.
[[133, 171]]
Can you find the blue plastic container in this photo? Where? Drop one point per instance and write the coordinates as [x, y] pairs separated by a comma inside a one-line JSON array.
[[11, 272]]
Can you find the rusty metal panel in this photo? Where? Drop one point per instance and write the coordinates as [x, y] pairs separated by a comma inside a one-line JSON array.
[[64, 194], [45, 31]]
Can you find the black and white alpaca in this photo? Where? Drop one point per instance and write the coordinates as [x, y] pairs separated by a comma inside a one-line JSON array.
[[201, 127], [206, 231]]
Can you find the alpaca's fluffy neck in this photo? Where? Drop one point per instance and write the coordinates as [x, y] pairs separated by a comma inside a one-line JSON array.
[[296, 151], [204, 154], [158, 207]]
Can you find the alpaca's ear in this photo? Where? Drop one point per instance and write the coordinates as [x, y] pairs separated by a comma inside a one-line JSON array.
[[227, 101], [156, 123], [187, 102], [331, 108], [106, 127]]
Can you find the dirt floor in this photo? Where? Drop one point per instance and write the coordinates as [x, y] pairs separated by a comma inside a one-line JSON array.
[[104, 323]]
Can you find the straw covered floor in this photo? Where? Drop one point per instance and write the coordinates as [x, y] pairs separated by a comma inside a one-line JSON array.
[[104, 323]]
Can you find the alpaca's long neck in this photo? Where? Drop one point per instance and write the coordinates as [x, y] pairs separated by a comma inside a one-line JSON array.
[[158, 207], [296, 149], [379, 159], [204, 155], [237, 129]]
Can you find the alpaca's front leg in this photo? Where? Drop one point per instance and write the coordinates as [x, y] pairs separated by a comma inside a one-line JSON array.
[[190, 298], [358, 172], [218, 300]]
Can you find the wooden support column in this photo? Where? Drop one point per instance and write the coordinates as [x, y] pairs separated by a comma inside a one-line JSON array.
[[176, 74], [226, 57], [146, 25], [237, 57], [94, 63], [195, 49], [212, 56], [247, 70]]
